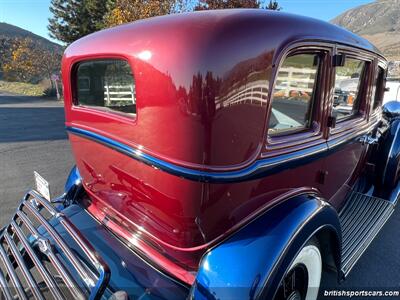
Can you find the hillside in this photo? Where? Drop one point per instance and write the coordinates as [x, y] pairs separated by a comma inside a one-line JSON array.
[[379, 22], [27, 57], [8, 31]]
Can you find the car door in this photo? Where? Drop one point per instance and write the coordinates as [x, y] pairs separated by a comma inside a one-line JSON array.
[[348, 123], [295, 133]]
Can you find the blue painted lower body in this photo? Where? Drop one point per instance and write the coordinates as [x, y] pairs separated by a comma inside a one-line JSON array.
[[251, 264]]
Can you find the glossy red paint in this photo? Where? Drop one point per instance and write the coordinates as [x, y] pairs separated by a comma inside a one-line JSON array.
[[195, 65]]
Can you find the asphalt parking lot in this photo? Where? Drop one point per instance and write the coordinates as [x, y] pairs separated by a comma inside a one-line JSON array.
[[32, 137]]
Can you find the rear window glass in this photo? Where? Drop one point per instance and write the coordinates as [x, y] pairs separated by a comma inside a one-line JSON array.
[[293, 94], [106, 84], [347, 86]]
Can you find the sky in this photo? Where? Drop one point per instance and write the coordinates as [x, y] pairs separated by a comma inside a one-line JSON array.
[[32, 15]]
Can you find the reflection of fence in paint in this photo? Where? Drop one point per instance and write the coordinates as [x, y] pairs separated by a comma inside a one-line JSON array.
[[297, 79], [256, 94], [119, 95], [289, 79]]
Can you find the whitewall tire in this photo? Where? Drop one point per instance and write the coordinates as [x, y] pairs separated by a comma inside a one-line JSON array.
[[303, 278]]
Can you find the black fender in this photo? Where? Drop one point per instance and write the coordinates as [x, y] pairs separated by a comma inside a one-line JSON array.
[[252, 262], [389, 156]]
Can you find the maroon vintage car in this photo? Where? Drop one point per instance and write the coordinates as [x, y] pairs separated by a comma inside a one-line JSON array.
[[219, 155]]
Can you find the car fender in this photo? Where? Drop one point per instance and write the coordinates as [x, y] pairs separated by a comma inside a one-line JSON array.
[[251, 263], [73, 186]]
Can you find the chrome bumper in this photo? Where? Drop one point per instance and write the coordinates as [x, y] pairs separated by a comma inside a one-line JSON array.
[[36, 262]]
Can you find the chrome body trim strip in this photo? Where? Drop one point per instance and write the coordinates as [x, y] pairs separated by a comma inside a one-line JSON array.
[[257, 169]]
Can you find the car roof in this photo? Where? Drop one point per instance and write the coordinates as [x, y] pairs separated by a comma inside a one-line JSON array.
[[277, 27]]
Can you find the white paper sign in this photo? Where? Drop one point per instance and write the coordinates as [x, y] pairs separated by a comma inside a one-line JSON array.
[[42, 186]]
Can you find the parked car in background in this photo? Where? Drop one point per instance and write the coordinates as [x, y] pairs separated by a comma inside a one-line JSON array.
[[392, 90], [229, 154]]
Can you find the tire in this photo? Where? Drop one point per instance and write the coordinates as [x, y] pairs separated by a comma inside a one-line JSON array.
[[303, 278]]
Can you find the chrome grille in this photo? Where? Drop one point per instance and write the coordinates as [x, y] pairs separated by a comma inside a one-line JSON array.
[[37, 263]]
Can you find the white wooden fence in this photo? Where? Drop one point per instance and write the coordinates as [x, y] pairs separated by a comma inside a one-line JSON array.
[[289, 79], [118, 94], [255, 94]]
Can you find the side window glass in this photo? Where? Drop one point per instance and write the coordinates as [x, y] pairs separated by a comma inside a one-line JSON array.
[[293, 94], [346, 99], [378, 86], [106, 84]]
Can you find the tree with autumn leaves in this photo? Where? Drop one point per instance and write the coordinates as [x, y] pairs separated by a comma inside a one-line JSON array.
[[28, 61], [73, 19], [124, 11]]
